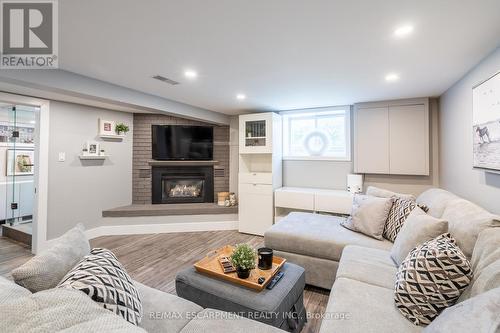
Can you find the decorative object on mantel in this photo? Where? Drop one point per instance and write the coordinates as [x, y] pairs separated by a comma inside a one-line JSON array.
[[221, 198], [355, 183], [106, 127], [243, 258], [226, 199], [121, 129], [486, 124], [232, 199]]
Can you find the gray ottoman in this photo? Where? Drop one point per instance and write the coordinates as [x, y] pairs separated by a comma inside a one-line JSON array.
[[282, 306]]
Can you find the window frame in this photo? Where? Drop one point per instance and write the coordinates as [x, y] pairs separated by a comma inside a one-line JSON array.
[[286, 140]]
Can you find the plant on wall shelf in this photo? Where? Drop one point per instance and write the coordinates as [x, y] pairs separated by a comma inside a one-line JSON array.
[[243, 258], [121, 128]]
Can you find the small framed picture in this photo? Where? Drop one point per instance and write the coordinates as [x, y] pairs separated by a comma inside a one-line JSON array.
[[20, 162], [106, 127], [92, 148]]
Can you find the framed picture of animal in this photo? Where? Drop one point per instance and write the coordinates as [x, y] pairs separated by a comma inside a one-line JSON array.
[[486, 124]]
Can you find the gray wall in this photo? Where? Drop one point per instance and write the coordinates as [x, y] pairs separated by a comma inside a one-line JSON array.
[[333, 174], [457, 174], [80, 190]]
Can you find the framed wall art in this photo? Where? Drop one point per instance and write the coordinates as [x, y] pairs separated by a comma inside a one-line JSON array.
[[486, 124], [20, 162]]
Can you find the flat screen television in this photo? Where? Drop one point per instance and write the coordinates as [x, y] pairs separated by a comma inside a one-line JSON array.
[[178, 142]]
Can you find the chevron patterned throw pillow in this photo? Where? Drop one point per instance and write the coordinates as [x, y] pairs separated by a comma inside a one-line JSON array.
[[398, 214], [101, 276], [430, 279]]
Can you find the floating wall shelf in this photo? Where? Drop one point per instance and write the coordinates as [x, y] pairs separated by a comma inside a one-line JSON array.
[[112, 136], [91, 157]]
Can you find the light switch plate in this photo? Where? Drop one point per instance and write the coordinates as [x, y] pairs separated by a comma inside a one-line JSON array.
[[62, 156]]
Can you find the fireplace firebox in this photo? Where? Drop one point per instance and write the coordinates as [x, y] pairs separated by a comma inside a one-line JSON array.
[[182, 184]]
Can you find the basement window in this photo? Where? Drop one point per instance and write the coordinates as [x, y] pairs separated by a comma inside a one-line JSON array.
[[317, 134]]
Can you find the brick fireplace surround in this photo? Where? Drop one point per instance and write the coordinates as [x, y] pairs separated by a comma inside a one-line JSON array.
[[141, 191]]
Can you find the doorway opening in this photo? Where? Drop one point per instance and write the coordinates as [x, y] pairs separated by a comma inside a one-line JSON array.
[[18, 124]]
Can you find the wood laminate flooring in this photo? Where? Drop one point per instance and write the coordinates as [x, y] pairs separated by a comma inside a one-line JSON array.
[[155, 260]]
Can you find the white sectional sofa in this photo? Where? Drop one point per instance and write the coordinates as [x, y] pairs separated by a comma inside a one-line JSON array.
[[361, 274]]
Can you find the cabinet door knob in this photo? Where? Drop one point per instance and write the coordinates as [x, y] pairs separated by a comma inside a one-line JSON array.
[[254, 174]]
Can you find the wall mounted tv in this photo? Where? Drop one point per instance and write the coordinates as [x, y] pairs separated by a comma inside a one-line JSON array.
[[178, 142]]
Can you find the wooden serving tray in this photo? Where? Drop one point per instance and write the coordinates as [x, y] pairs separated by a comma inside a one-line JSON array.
[[210, 265]]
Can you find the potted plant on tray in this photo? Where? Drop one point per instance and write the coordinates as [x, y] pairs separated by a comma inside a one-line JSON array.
[[243, 258]]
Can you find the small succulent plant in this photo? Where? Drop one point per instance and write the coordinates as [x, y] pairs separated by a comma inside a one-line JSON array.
[[121, 128], [244, 257]]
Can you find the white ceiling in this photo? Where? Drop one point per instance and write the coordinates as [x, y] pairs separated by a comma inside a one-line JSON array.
[[283, 54]]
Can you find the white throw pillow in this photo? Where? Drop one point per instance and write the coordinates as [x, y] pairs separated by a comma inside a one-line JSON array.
[[368, 215], [382, 193], [418, 228]]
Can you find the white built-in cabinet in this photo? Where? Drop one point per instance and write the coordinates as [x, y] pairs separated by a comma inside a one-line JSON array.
[[260, 172], [392, 137]]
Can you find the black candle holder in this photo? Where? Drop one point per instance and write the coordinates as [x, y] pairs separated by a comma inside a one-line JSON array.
[[265, 258]]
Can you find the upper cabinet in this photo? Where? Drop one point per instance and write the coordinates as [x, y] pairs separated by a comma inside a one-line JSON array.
[[258, 132], [392, 137]]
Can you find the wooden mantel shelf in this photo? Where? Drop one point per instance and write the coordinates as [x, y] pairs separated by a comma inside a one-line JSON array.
[[136, 210], [185, 163]]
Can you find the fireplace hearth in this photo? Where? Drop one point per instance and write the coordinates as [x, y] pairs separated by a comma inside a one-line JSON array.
[[182, 184]]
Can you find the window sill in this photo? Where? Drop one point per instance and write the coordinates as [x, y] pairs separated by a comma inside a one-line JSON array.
[[311, 158]]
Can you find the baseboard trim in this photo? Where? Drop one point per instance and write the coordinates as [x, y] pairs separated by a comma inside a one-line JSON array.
[[140, 229]]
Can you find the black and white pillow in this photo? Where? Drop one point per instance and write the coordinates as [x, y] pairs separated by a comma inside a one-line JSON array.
[[398, 214], [430, 279], [101, 276]]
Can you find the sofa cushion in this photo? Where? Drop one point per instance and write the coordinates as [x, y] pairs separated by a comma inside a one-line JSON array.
[[9, 290], [60, 310], [368, 215], [383, 193], [418, 228], [358, 307], [367, 265], [465, 221], [430, 279], [319, 272], [101, 276], [485, 264], [46, 270], [477, 314], [316, 235], [210, 320], [398, 214], [163, 312], [436, 200]]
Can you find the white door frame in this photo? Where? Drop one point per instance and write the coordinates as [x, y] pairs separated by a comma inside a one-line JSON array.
[[39, 237]]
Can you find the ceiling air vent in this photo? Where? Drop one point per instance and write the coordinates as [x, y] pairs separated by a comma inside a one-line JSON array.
[[165, 79]]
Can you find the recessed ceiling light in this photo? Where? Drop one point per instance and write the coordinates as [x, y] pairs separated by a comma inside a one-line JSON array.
[[190, 74], [241, 97], [403, 31], [392, 77]]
